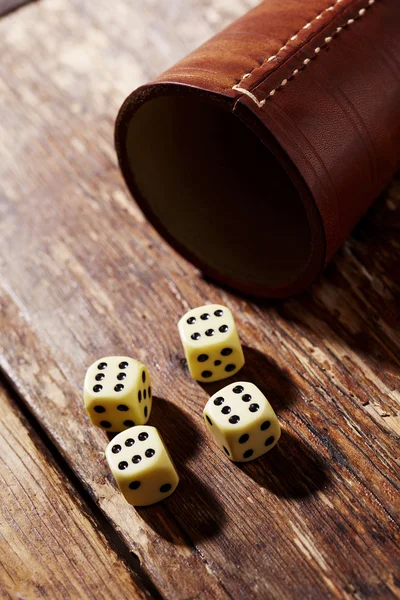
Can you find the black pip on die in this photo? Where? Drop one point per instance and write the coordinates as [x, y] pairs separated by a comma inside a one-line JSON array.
[[117, 393], [242, 421], [211, 342]]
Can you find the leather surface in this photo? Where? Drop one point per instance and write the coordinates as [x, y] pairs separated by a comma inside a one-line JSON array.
[[320, 77]]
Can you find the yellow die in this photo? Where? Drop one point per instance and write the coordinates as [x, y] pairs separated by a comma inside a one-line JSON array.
[[242, 421], [211, 342], [142, 466], [117, 393]]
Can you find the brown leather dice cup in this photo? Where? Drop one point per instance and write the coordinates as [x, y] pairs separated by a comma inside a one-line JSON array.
[[257, 154]]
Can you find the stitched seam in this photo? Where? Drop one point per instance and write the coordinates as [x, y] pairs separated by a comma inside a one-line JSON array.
[[306, 61], [293, 38]]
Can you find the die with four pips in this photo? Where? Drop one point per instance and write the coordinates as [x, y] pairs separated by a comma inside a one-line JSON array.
[[118, 398]]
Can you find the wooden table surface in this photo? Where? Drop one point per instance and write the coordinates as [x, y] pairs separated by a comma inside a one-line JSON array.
[[82, 275]]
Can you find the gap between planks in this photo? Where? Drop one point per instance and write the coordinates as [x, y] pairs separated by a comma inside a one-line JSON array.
[[100, 522], [50, 381]]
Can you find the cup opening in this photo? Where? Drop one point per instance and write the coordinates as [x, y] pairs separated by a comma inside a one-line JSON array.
[[218, 192]]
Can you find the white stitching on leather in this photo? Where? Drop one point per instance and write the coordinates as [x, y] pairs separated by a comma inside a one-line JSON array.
[[317, 50], [293, 38], [259, 103]]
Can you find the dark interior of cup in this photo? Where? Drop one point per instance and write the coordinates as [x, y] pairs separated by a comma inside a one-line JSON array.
[[218, 191]]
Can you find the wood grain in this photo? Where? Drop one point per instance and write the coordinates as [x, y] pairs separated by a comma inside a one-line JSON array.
[[83, 275], [50, 546]]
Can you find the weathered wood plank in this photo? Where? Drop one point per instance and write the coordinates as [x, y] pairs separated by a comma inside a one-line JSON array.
[[83, 275], [56, 398], [50, 545]]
